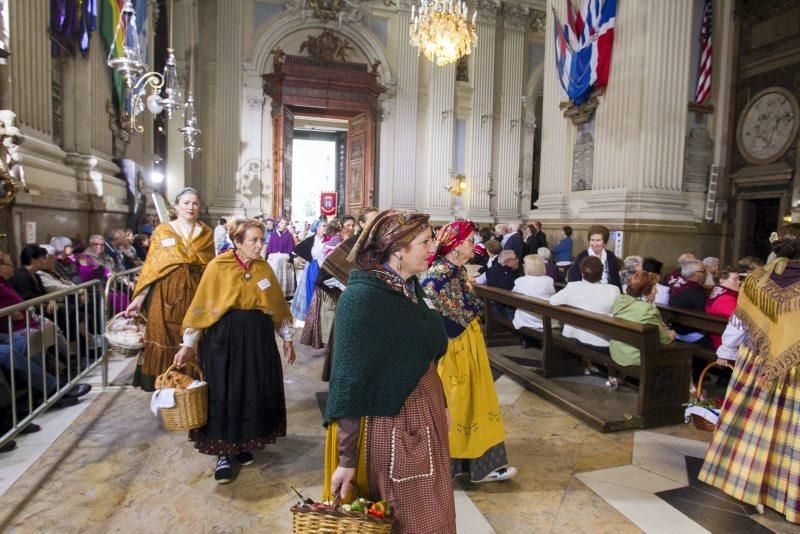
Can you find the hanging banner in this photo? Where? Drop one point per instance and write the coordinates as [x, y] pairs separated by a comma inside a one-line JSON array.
[[327, 203]]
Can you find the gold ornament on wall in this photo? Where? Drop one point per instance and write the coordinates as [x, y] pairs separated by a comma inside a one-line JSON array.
[[326, 10]]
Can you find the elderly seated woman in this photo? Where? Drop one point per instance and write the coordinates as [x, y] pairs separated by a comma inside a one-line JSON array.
[[503, 272], [550, 268], [537, 284], [591, 295], [631, 266], [637, 306]]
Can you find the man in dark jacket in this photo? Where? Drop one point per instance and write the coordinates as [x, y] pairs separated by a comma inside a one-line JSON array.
[[516, 243], [502, 274]]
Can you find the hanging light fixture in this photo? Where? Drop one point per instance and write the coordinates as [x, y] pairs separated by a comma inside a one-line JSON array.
[[190, 131], [164, 88], [127, 59], [441, 30]]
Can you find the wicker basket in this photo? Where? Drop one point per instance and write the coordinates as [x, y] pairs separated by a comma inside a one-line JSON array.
[[191, 407], [330, 520], [126, 351], [700, 422]]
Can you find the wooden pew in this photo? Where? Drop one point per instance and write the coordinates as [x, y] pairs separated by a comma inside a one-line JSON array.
[[664, 374], [701, 321]]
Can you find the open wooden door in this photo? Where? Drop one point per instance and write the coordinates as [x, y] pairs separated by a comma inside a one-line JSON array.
[[282, 147], [360, 157]]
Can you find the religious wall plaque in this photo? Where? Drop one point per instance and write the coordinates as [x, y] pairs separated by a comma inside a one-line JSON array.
[[767, 126], [697, 160], [583, 157]]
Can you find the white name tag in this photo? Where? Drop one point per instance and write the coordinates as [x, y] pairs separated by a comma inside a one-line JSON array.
[[429, 303], [263, 284], [168, 242]]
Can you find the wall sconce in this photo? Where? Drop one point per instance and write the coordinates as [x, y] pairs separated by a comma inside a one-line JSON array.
[[514, 124], [459, 185], [485, 118], [490, 190]]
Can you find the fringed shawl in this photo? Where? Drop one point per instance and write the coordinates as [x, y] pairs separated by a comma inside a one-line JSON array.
[[769, 307]]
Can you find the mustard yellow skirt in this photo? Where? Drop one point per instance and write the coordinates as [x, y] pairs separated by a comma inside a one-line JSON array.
[[332, 462], [476, 423]]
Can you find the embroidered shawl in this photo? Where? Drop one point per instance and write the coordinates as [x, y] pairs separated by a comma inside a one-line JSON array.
[[770, 312], [448, 287]]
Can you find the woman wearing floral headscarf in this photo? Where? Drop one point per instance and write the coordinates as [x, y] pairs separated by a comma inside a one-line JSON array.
[[477, 437], [386, 412]]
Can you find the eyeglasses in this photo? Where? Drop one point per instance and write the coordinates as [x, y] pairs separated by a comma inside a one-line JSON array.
[[96, 244]]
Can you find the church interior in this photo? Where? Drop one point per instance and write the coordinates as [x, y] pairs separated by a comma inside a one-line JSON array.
[[677, 137]]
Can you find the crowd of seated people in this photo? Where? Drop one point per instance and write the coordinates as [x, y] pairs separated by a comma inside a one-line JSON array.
[[596, 280], [50, 344]]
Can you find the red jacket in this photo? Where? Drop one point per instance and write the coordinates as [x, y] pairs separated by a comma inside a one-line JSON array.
[[722, 301]]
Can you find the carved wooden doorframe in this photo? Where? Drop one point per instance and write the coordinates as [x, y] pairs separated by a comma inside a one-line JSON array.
[[333, 89]]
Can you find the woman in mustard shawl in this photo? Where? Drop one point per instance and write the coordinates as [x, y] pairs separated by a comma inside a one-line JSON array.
[[754, 455], [237, 310], [179, 251]]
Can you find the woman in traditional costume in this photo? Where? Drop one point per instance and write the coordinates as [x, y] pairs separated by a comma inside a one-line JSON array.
[[386, 411], [179, 251], [237, 309], [754, 455], [319, 318], [281, 244], [310, 250], [477, 438]]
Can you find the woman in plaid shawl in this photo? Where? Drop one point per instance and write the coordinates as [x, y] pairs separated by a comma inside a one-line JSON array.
[[754, 455]]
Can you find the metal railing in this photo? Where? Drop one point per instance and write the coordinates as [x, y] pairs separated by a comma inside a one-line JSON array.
[[48, 344]]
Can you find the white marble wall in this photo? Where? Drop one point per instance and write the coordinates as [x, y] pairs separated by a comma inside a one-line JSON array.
[[480, 127], [509, 123], [403, 186], [440, 144]]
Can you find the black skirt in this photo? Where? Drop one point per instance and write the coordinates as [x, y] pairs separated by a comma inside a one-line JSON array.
[[242, 365]]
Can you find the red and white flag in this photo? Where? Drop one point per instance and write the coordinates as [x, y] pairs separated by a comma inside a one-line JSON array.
[[704, 70]]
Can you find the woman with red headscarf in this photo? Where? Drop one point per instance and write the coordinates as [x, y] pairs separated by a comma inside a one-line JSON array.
[[477, 438]]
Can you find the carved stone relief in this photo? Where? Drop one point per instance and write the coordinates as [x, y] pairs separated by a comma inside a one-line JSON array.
[[767, 126]]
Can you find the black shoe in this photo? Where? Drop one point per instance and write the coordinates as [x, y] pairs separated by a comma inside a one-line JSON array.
[[8, 447], [30, 429], [244, 457], [65, 402], [224, 472], [78, 390]]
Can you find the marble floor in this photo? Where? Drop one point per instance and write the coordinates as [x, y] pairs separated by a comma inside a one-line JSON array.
[[107, 465]]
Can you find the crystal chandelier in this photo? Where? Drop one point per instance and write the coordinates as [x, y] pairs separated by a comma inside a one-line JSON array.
[[441, 30]]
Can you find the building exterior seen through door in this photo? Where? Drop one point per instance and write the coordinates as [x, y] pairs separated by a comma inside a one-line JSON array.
[[334, 89]]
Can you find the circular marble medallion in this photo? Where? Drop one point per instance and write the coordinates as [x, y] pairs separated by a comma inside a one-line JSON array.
[[767, 126]]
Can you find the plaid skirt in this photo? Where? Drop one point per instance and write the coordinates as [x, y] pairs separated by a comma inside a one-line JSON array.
[[284, 272], [755, 453], [408, 461]]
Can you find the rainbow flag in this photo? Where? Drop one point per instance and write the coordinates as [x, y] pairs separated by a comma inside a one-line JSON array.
[[109, 17]]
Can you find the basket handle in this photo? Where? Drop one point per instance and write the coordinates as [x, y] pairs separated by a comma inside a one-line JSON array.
[[138, 316], [174, 367], [699, 387]]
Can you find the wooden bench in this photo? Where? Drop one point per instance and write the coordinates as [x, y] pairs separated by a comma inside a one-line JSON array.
[[664, 374], [700, 321]]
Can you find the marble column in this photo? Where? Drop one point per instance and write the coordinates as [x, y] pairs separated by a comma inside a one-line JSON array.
[[509, 124], [479, 145], [641, 122], [405, 138], [224, 140], [557, 137], [440, 140], [30, 68]]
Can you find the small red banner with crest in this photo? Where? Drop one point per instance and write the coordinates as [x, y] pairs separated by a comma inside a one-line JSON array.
[[327, 203]]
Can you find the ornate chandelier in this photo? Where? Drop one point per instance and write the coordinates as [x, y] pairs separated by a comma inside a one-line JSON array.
[[441, 30], [165, 91]]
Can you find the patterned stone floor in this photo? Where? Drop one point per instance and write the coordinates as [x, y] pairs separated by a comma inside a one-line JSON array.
[[114, 469]]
